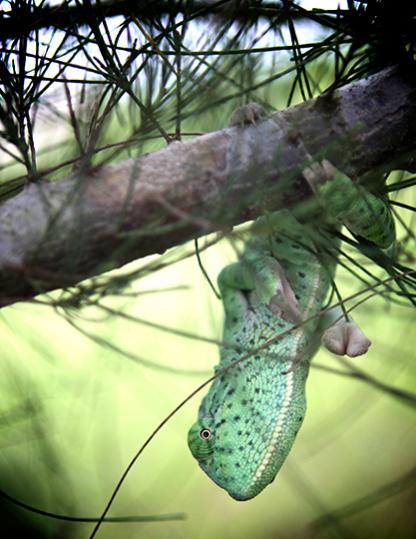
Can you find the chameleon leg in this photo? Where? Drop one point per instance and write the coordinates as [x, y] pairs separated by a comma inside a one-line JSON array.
[[264, 277], [238, 276], [342, 337], [364, 213], [233, 280]]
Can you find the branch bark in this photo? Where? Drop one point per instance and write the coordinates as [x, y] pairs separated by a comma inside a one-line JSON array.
[[57, 233]]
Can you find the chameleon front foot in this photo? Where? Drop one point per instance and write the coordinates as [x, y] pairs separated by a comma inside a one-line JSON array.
[[346, 338]]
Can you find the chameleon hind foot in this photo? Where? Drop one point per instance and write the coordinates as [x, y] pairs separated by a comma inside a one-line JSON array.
[[319, 172]]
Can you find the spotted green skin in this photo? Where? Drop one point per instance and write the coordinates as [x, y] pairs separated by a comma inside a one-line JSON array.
[[248, 421]]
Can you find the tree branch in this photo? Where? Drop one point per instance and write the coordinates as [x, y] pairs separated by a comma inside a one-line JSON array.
[[57, 233]]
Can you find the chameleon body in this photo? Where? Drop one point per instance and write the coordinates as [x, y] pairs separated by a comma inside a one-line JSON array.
[[249, 419]]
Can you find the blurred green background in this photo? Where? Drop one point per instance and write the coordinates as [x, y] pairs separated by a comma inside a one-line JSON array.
[[73, 413]]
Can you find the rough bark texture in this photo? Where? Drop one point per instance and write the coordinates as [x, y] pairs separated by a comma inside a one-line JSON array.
[[55, 234]]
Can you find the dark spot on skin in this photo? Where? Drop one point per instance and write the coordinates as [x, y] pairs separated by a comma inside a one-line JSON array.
[[237, 465], [250, 443], [251, 341], [361, 211], [257, 390], [295, 246], [241, 448], [240, 432], [280, 325], [244, 402], [237, 418], [221, 449], [382, 210], [229, 405], [297, 297], [231, 391], [218, 424], [300, 418], [301, 274], [230, 451], [234, 320]]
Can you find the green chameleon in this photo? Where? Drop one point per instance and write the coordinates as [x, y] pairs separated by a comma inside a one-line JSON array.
[[248, 421]]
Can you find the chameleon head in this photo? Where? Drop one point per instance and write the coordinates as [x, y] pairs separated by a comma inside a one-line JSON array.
[[244, 434]]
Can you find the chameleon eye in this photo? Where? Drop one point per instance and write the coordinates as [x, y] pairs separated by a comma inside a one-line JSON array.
[[205, 434], [201, 441]]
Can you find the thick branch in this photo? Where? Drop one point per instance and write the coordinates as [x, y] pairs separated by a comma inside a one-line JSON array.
[[56, 233]]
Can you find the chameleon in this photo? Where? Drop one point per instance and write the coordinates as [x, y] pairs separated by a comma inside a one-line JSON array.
[[248, 421]]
